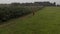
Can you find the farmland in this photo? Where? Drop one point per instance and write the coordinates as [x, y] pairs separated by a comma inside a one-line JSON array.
[[45, 21]]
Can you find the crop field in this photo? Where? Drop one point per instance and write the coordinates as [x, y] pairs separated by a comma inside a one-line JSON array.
[[45, 21], [10, 12]]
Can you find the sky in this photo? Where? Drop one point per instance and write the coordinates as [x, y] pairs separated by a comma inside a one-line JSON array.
[[24, 1]]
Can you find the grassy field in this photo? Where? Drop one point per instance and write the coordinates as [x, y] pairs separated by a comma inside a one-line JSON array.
[[46, 21]]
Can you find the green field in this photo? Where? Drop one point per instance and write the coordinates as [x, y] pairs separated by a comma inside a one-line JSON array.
[[45, 21]]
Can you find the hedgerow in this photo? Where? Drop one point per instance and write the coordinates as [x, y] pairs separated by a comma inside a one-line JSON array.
[[10, 12]]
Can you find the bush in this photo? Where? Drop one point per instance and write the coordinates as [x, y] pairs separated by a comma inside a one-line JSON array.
[[10, 12]]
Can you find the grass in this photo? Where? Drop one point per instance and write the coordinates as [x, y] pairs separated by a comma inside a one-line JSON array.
[[46, 21]]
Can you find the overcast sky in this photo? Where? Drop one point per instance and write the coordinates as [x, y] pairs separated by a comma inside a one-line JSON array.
[[21, 1]]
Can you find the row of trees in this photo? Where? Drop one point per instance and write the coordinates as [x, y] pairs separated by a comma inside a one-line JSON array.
[[45, 3], [9, 12]]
